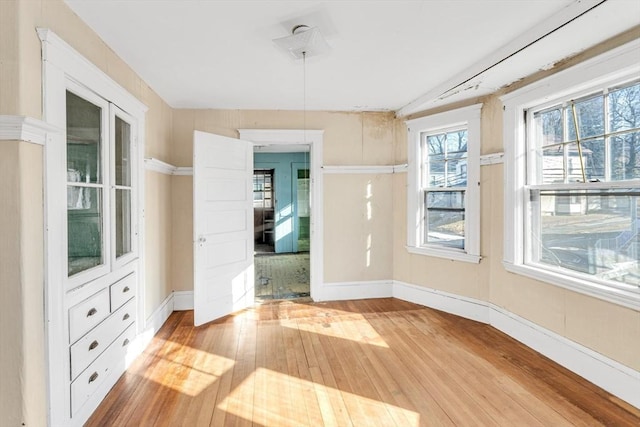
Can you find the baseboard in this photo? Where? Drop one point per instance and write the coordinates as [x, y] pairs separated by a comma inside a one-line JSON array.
[[612, 376], [182, 300], [338, 291], [159, 316], [468, 308]]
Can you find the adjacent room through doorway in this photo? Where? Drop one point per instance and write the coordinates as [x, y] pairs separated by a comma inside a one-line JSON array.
[[281, 205]]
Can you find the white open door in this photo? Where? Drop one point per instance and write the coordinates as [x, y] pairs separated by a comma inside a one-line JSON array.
[[222, 226]]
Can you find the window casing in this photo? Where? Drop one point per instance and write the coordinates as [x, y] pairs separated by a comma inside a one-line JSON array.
[[443, 192], [572, 197]]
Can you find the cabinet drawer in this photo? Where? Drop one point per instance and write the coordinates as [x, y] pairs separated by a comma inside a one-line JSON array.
[[108, 363], [87, 314], [90, 346], [122, 291]]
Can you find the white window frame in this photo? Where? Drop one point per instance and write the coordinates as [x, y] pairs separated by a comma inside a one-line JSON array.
[[617, 65], [469, 118]]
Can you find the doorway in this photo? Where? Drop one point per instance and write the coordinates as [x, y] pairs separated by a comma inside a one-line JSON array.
[[282, 217]]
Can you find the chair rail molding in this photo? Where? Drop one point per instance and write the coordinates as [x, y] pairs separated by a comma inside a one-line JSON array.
[[22, 128]]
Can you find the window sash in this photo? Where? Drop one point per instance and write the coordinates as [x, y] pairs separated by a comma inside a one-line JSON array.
[[602, 250]]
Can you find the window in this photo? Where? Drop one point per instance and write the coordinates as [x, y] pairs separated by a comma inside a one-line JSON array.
[[443, 198], [573, 178]]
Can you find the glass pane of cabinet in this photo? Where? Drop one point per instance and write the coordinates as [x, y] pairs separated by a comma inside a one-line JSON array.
[[123, 152], [123, 222], [84, 131], [85, 209], [84, 228], [122, 177]]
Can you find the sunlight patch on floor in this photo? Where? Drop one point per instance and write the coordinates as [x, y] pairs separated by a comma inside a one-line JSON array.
[[189, 377], [284, 400], [353, 328]]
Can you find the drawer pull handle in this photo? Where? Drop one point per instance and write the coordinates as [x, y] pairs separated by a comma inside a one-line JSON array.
[[125, 342], [93, 345], [91, 312], [125, 289], [126, 316], [93, 377]]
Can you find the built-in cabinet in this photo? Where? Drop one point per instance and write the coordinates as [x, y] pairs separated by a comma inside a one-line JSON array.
[[93, 215]]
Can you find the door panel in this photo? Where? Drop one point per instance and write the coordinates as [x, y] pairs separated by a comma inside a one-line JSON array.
[[223, 236]]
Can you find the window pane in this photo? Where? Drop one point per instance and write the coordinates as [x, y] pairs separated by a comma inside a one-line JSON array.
[[553, 164], [457, 173], [123, 152], [123, 222], [590, 115], [83, 140], [624, 108], [590, 232], [593, 153], [625, 156], [550, 123], [444, 222], [457, 141], [435, 144], [84, 228], [436, 171]]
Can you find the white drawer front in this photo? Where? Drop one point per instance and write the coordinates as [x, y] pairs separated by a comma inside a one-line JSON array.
[[89, 347], [122, 291], [112, 359], [87, 314]]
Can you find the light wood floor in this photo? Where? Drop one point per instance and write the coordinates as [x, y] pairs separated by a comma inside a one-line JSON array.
[[380, 362]]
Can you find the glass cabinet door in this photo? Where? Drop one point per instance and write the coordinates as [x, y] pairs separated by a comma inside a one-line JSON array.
[[122, 159], [85, 184], [101, 182]]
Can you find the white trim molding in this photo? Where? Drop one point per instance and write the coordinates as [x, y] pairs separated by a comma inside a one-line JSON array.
[[21, 128], [491, 159], [182, 300], [612, 376], [183, 171], [363, 169], [153, 164], [156, 165], [339, 291], [154, 322], [340, 169]]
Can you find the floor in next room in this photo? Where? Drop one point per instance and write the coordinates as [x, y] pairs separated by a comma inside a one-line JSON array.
[[281, 276]]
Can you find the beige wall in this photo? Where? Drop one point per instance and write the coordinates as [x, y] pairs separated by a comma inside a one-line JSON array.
[[357, 208], [22, 371], [11, 350]]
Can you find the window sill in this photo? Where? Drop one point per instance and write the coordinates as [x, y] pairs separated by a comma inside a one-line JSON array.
[[451, 254], [617, 296]]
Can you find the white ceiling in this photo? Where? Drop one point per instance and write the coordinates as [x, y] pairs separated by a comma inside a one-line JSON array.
[[403, 56]]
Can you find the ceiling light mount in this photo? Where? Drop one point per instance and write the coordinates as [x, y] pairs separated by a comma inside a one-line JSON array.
[[304, 41]]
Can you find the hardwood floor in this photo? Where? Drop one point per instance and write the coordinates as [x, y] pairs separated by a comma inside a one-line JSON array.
[[381, 362]]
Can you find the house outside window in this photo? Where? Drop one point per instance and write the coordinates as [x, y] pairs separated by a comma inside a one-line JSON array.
[[572, 150], [443, 193]]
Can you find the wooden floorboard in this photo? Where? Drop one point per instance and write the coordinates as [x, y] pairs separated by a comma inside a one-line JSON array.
[[381, 362]]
